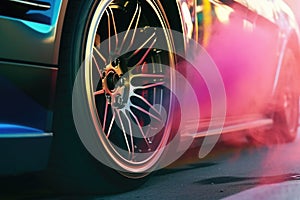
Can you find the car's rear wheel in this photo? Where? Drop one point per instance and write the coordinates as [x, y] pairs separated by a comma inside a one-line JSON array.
[[286, 115], [119, 98], [285, 106]]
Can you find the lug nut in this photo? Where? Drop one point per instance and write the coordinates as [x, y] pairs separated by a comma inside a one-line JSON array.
[[115, 62], [108, 98], [103, 74], [121, 81], [118, 100]]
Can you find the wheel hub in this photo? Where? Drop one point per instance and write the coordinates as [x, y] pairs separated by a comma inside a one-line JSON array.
[[112, 80], [115, 85]]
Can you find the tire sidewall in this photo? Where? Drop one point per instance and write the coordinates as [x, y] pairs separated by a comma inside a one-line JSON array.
[[72, 168]]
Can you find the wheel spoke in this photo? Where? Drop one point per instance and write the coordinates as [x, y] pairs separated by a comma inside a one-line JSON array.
[[154, 95], [136, 17], [146, 112], [146, 53], [100, 55], [110, 126], [108, 30], [149, 85], [135, 28], [124, 131], [140, 80], [155, 76], [105, 115], [130, 132], [161, 100], [114, 25], [99, 92], [146, 102], [140, 128], [142, 46], [97, 66]]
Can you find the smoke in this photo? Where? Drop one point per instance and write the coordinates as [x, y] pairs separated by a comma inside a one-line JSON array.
[[258, 77]]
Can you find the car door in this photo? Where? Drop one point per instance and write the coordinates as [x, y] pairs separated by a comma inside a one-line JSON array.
[[267, 40], [242, 43]]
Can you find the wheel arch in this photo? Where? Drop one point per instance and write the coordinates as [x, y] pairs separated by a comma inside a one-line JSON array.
[[292, 41], [294, 44], [171, 9]]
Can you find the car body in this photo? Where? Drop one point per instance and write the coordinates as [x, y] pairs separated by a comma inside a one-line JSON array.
[[41, 40]]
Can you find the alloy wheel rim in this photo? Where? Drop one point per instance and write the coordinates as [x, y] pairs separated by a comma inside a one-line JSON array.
[[123, 103]]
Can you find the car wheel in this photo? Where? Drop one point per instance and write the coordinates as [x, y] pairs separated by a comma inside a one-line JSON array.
[[285, 108], [122, 95], [287, 116]]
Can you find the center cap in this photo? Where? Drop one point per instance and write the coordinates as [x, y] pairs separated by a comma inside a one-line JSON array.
[[112, 80]]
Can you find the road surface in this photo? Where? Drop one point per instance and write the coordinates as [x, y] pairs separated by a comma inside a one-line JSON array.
[[227, 171]]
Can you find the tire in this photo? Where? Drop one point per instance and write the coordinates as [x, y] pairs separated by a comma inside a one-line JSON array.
[[103, 95], [285, 109]]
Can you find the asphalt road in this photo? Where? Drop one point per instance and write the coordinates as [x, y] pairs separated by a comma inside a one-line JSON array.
[[228, 170]]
